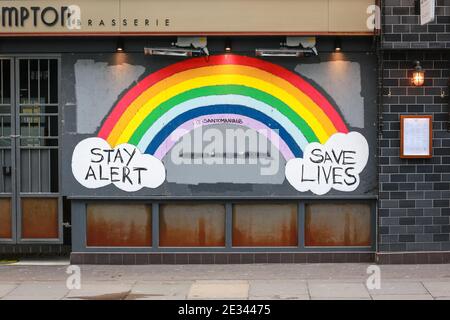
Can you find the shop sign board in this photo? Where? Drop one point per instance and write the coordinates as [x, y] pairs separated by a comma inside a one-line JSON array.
[[193, 17]]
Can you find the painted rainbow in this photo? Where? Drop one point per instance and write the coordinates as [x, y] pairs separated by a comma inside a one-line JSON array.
[[263, 95]]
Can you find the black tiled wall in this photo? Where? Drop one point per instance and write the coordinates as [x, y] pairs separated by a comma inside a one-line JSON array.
[[402, 29], [414, 206]]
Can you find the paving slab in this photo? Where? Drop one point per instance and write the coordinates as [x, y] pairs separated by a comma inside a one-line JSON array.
[[280, 297], [279, 289], [6, 288], [329, 271], [341, 298], [328, 289], [258, 282], [160, 290], [402, 297], [438, 288], [101, 291], [41, 262], [48, 290], [400, 288], [219, 289]]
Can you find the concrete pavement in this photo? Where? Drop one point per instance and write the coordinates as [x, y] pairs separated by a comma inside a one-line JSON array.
[[37, 280]]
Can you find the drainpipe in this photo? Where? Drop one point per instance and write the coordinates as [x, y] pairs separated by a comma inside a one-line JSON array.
[[380, 74]]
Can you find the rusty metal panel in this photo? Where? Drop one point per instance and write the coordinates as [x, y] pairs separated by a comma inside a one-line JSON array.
[[338, 225], [265, 224], [192, 225], [119, 225], [39, 218], [5, 218]]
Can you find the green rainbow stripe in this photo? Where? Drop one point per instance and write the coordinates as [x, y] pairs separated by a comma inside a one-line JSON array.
[[224, 90]]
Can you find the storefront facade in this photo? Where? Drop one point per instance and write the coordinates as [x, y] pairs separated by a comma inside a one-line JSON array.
[[237, 150]]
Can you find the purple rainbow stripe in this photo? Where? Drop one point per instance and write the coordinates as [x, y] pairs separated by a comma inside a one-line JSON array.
[[192, 124]]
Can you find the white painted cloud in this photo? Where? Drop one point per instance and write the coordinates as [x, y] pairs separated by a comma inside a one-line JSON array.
[[337, 164], [95, 164]]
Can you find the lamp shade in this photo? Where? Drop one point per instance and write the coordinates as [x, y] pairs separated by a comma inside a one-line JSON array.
[[418, 76]]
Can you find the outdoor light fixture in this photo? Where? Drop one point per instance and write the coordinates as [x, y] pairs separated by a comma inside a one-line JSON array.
[[418, 77], [337, 45], [284, 52], [175, 52], [184, 47], [227, 45], [293, 47], [119, 45]]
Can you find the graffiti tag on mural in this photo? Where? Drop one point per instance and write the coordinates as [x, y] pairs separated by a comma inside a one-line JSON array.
[[337, 164], [95, 164]]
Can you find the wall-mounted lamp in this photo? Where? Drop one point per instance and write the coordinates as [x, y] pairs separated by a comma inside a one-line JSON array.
[[183, 47], [176, 52], [293, 47], [119, 45], [337, 45], [418, 77], [227, 45]]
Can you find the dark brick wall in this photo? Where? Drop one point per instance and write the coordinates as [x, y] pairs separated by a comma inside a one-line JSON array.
[[414, 206], [402, 29]]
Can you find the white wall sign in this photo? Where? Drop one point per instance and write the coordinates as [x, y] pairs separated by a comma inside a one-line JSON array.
[[427, 11], [335, 164], [95, 164], [416, 137]]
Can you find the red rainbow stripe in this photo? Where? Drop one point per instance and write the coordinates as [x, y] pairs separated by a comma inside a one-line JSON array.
[[193, 63]]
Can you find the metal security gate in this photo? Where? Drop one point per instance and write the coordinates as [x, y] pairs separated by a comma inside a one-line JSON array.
[[7, 161], [30, 205]]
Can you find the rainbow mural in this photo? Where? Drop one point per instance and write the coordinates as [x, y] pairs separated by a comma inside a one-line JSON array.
[[264, 95]]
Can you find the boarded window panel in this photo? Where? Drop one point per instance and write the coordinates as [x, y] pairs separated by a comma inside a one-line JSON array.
[[265, 224], [119, 225], [192, 225], [338, 225], [5, 218], [39, 218]]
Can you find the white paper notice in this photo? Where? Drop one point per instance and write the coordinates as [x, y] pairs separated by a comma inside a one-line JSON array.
[[416, 137], [427, 11]]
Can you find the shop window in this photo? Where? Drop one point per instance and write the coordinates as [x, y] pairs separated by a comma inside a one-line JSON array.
[[192, 225], [265, 225], [118, 225], [5, 218], [5, 82], [338, 225], [38, 125], [38, 81], [39, 218]]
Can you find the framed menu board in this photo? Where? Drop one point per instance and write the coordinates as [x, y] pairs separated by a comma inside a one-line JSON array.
[[416, 136]]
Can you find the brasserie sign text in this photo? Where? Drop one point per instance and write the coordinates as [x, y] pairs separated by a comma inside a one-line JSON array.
[[70, 17]]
